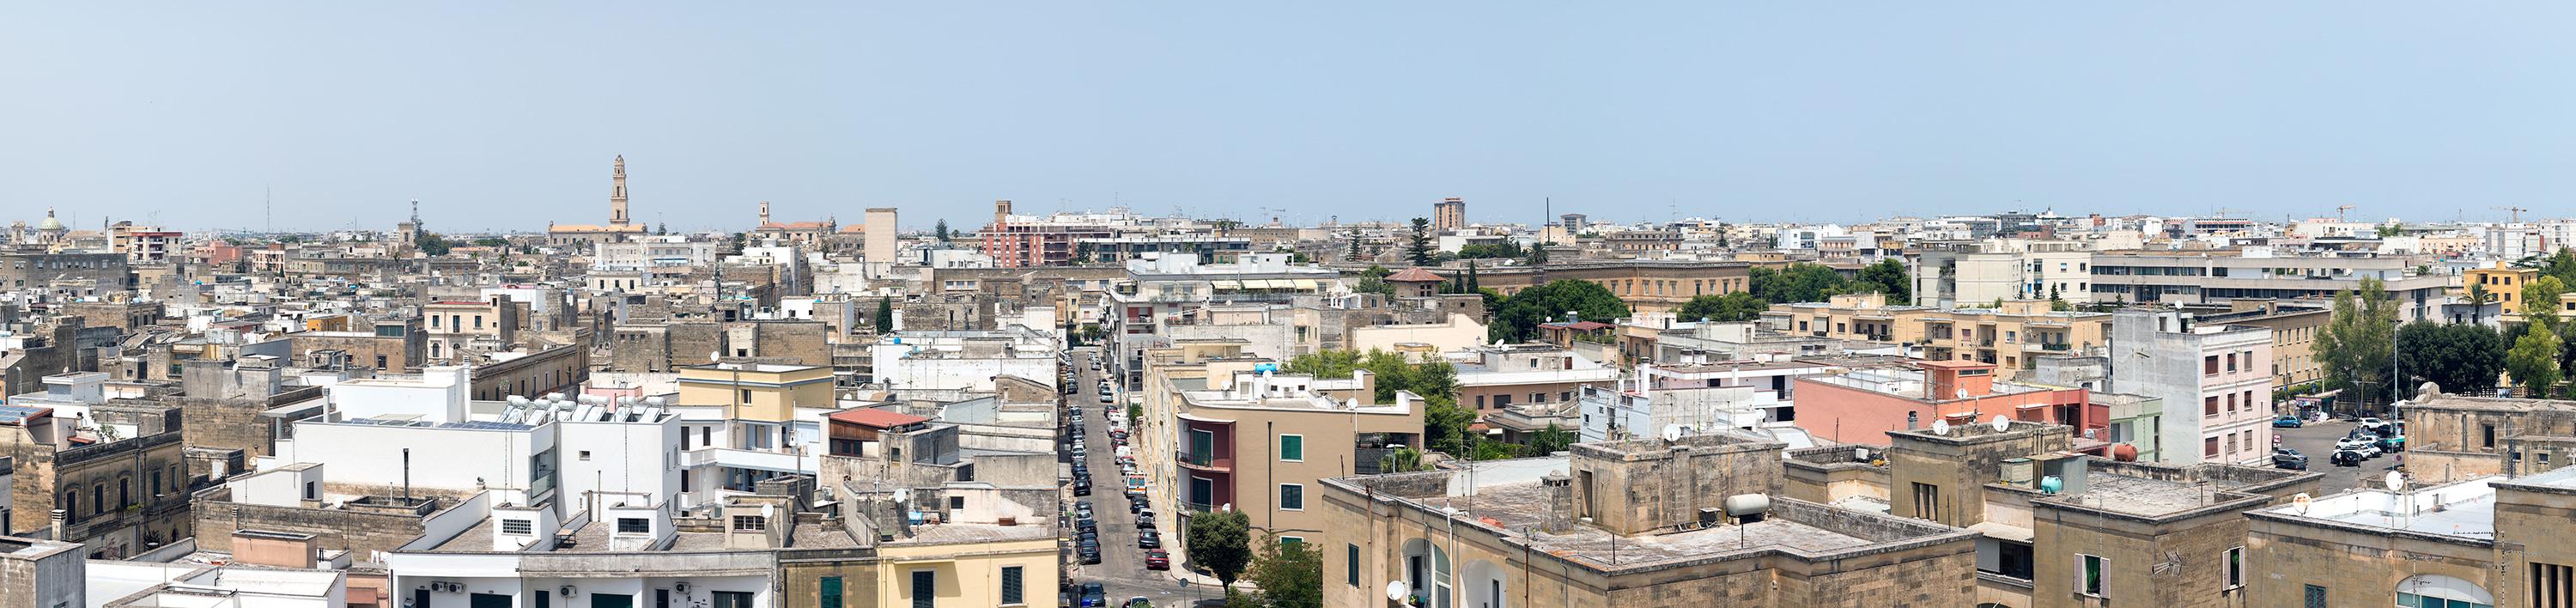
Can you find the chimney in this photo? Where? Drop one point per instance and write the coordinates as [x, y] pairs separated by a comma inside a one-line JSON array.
[[1560, 502], [54, 522]]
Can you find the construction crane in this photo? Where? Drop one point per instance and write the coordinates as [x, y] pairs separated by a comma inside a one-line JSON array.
[[2339, 212], [2517, 213]]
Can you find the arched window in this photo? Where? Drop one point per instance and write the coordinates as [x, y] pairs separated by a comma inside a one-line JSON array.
[[124, 492], [71, 506], [1426, 569], [2437, 591], [98, 498]]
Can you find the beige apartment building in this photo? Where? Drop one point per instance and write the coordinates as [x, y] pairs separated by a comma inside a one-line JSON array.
[[2010, 337], [1256, 441]]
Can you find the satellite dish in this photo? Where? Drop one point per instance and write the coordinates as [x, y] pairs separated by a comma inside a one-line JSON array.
[[1395, 591], [2001, 423], [2301, 501], [2395, 481], [1941, 427], [1673, 432], [1962, 393]]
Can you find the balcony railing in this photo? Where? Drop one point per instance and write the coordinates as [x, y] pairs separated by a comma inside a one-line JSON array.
[[1203, 461], [1196, 507]]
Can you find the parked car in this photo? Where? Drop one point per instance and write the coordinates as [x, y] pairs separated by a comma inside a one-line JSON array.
[[2346, 458], [2356, 442], [1090, 554], [2392, 443], [2373, 426], [1094, 595], [2287, 422], [2286, 458], [1145, 520], [1149, 540], [1156, 559]]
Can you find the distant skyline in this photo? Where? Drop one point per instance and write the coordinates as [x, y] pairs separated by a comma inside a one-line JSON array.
[[505, 116]]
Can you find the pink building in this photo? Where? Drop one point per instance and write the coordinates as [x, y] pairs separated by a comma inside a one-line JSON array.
[[1861, 406]]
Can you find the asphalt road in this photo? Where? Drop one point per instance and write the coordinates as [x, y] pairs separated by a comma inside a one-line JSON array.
[[2317, 441], [1122, 564]]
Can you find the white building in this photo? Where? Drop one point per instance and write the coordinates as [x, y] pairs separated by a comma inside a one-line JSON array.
[[965, 360], [2216, 383]]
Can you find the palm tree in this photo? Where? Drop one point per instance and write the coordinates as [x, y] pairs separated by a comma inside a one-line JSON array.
[[2478, 299]]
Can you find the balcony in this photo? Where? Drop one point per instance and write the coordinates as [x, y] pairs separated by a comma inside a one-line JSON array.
[[1196, 507], [1204, 462]]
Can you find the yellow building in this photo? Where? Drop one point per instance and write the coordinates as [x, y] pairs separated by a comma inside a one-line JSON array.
[[984, 566], [757, 392], [2503, 285], [2008, 337]]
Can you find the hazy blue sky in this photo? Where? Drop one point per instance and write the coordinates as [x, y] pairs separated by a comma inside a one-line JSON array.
[[505, 115]]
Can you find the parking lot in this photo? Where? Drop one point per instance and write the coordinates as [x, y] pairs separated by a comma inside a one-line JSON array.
[[2316, 440]]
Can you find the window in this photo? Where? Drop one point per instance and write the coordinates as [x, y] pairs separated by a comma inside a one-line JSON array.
[[2209, 365], [1351, 564], [1011, 585], [585, 454], [634, 525], [746, 395], [312, 490], [2089, 579], [1292, 448], [2552, 586], [925, 589], [1292, 540], [1292, 497], [830, 586], [2235, 568], [2486, 435], [2209, 447], [728, 599], [956, 502], [518, 527], [750, 523], [1927, 500], [2209, 406]]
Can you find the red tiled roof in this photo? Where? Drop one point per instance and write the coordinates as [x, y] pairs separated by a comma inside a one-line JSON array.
[[1414, 275], [877, 418]]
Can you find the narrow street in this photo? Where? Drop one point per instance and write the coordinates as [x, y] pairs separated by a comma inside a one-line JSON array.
[[1122, 564]]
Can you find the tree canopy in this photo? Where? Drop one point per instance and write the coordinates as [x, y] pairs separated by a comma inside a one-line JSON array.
[[1221, 541], [1805, 282], [1505, 249], [1729, 308], [1288, 573], [2354, 345], [2462, 358], [1444, 423], [1418, 247], [1518, 316]]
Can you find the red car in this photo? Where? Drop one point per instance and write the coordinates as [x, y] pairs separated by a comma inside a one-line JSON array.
[[1156, 559]]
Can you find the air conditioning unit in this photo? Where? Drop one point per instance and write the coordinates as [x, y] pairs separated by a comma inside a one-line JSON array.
[[567, 591], [682, 586]]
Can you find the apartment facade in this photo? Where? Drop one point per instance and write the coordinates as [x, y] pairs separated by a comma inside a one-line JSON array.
[[1967, 274], [2215, 381], [2010, 338], [2175, 277], [1258, 441]]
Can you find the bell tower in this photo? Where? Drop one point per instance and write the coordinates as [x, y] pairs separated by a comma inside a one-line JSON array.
[[617, 193]]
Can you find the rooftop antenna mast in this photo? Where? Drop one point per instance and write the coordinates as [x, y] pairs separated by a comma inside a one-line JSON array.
[[267, 209]]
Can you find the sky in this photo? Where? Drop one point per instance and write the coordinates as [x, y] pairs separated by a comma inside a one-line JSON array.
[[505, 115]]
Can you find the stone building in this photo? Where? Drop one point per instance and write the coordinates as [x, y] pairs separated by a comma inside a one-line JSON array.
[[1633, 523], [2455, 437]]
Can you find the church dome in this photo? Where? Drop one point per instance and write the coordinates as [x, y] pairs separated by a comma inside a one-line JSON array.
[[50, 223]]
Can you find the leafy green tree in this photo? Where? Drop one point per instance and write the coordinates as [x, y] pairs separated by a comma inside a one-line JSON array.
[[1418, 248], [735, 242], [1487, 449], [1887, 277], [491, 241], [2561, 264], [2057, 301], [1404, 459], [1729, 308], [1537, 256], [1518, 316], [1800, 282], [1505, 249], [1289, 574], [1550, 440], [1355, 244], [2540, 302], [432, 243], [940, 230], [885, 315], [1221, 541], [2534, 362], [2354, 346], [2461, 358]]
